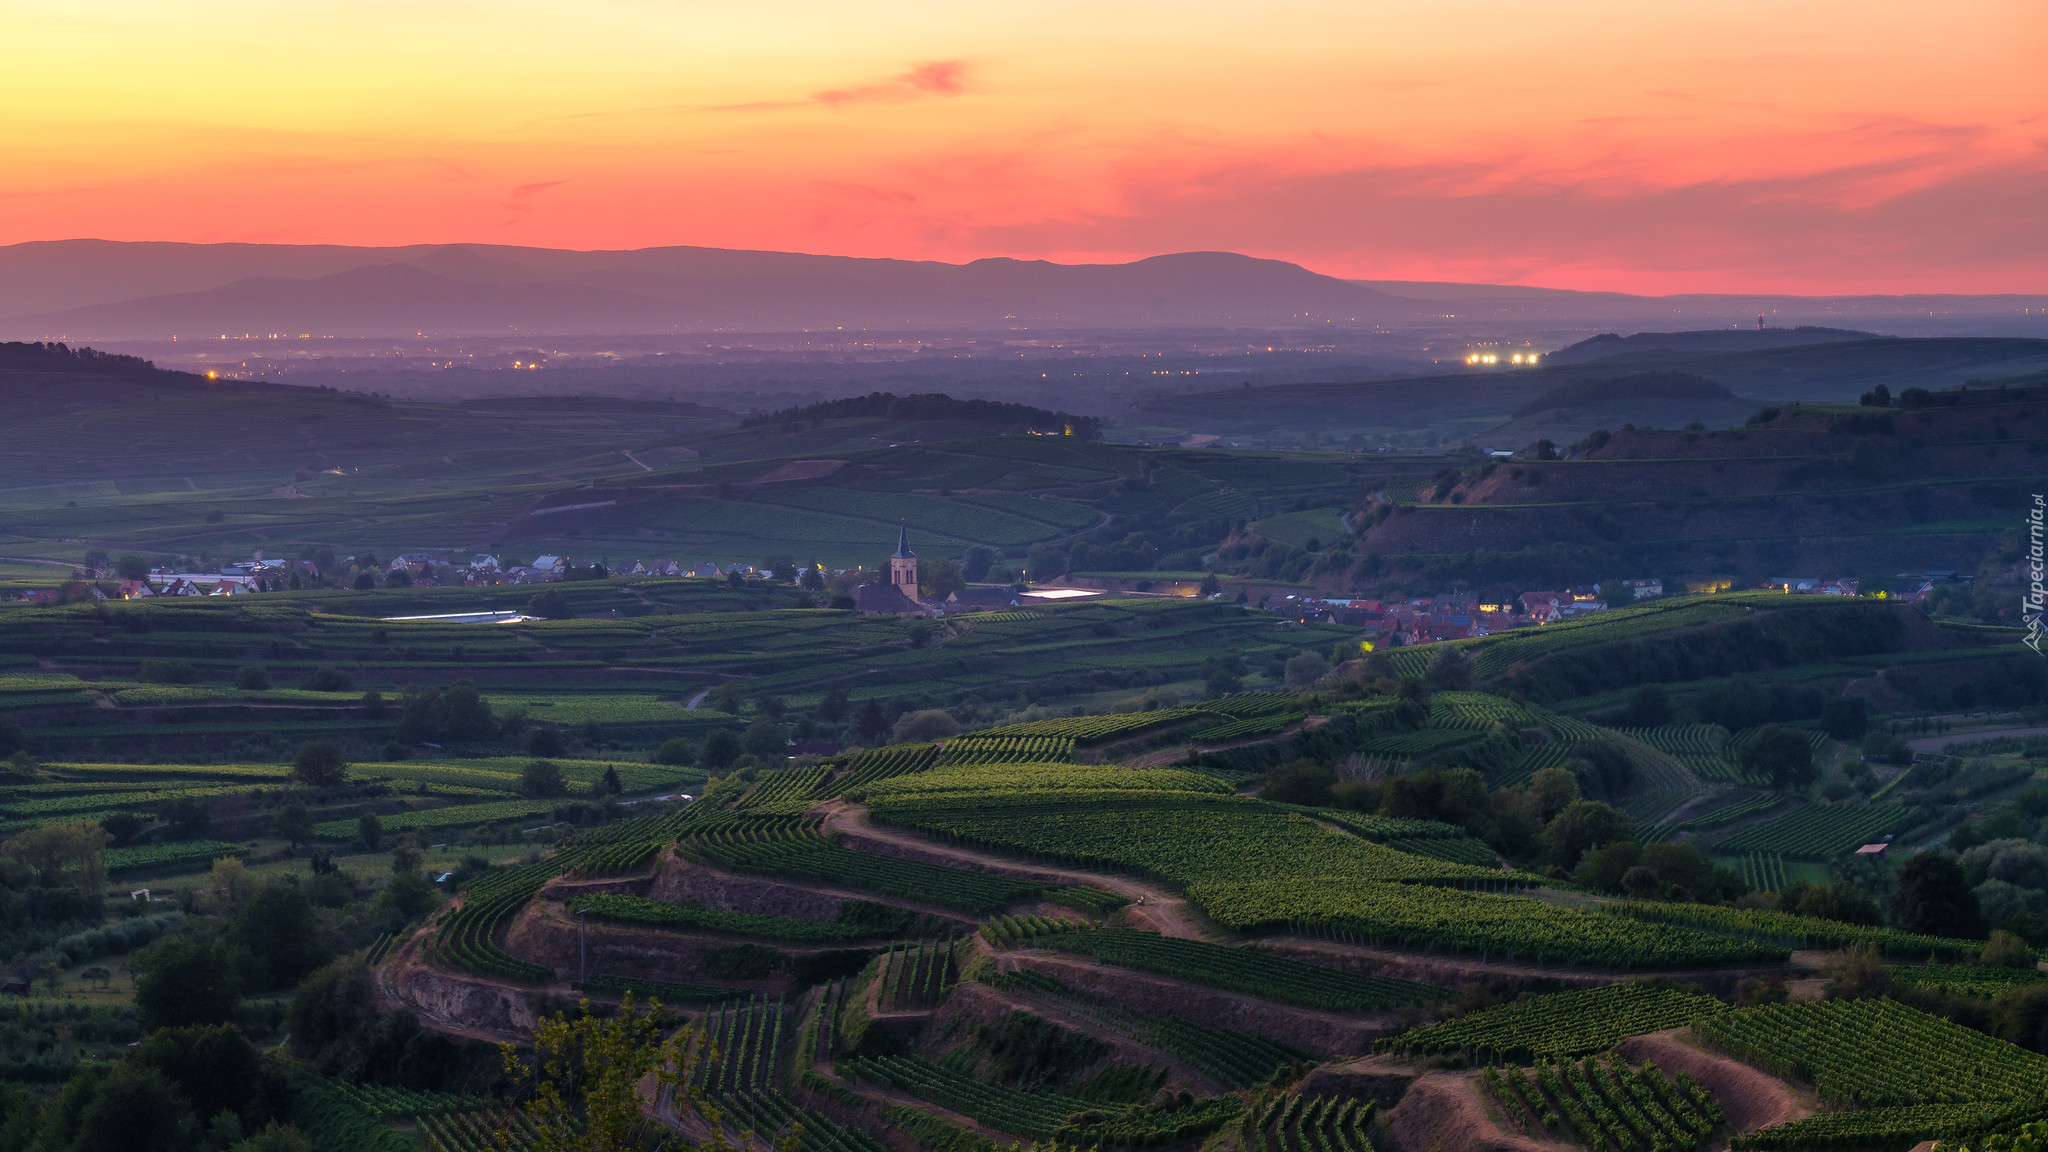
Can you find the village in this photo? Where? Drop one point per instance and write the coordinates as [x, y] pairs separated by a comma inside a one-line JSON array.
[[906, 589]]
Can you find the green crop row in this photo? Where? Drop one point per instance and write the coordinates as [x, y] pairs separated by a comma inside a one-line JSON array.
[[1562, 1024]]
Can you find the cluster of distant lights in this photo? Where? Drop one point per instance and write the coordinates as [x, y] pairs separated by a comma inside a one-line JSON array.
[[1494, 358]]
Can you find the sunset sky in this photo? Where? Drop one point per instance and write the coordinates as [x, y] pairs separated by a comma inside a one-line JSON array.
[[1814, 146]]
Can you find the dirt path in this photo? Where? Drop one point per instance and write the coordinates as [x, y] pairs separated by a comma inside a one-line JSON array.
[[1751, 1099], [1154, 907]]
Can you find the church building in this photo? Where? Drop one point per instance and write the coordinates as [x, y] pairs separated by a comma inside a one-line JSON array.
[[899, 596]]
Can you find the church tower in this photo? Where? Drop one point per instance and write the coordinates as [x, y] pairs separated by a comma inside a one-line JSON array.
[[903, 565]]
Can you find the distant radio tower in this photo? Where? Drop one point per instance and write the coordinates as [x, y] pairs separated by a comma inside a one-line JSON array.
[[1759, 321]]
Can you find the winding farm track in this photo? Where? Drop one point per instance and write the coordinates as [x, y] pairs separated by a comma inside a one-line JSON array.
[[1160, 910]]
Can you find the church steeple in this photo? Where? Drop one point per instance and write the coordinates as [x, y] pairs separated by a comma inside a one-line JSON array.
[[903, 565]]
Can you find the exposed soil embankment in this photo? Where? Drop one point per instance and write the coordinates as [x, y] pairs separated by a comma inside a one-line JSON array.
[[973, 1005], [1325, 1034], [544, 934], [461, 1004], [1750, 1099], [1442, 1112]]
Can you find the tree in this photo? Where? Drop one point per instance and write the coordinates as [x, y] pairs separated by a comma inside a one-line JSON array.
[[940, 579], [2006, 950], [252, 678], [1450, 670], [135, 1110], [1648, 707], [365, 581], [1581, 827], [231, 878], [1553, 790], [53, 849], [541, 780], [546, 741], [1783, 754], [721, 747], [1299, 782], [550, 604], [974, 565], [189, 819], [1211, 586], [466, 714], [13, 737], [132, 567], [294, 823], [1856, 973], [729, 697], [610, 780], [183, 981], [409, 892], [872, 723], [370, 829], [214, 1066], [833, 708], [766, 739], [586, 1082], [281, 931], [923, 726], [812, 579], [1934, 899], [675, 751], [320, 764], [1846, 717], [1303, 669], [328, 678], [373, 704]]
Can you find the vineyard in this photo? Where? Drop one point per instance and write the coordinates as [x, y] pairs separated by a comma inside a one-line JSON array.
[[1030, 1114], [152, 858], [1976, 980], [1562, 1025], [796, 851], [858, 920], [1764, 872], [1820, 831], [1788, 931], [1936, 1080], [1296, 1123], [1247, 970], [459, 816], [1007, 750], [1233, 1059], [1606, 1105]]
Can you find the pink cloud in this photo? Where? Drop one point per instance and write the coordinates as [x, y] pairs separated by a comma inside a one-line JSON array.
[[944, 78]]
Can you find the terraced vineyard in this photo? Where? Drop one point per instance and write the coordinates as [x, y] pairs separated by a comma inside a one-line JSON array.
[[1562, 1024], [1297, 1123], [1240, 970], [1031, 1114], [1235, 1060], [1937, 1079], [1606, 1105], [1820, 832], [1007, 750], [1788, 931], [796, 851]]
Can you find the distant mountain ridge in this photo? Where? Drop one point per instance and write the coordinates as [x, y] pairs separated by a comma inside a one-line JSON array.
[[489, 289], [100, 290]]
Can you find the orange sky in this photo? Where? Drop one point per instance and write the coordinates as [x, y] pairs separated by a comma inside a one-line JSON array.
[[1815, 145]]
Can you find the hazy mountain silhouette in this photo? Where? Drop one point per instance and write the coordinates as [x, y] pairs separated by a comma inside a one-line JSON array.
[[475, 289]]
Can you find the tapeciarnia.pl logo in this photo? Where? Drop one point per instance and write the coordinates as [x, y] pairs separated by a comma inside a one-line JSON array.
[[2036, 594]]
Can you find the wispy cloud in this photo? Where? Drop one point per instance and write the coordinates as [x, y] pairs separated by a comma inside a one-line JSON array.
[[520, 202], [944, 78], [940, 79]]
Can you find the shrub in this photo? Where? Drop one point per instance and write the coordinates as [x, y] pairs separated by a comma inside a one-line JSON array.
[[675, 751], [320, 764], [252, 678]]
